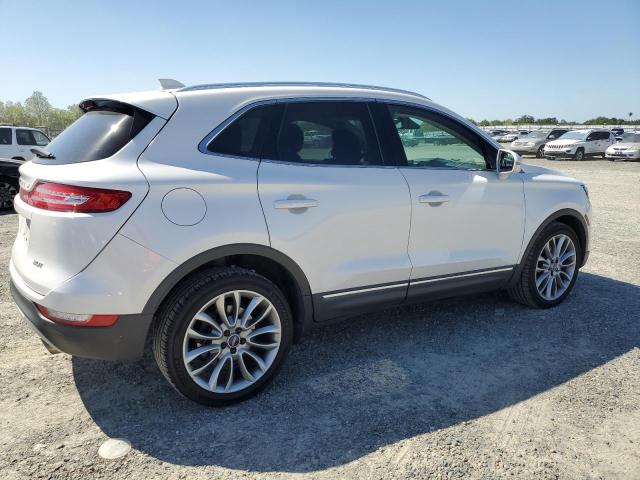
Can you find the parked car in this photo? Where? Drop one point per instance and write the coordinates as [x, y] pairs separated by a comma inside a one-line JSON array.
[[579, 144], [512, 136], [8, 182], [212, 229], [497, 134], [536, 140], [627, 149], [16, 142], [617, 131]]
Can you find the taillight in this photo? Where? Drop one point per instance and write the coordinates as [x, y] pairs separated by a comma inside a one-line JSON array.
[[70, 198], [78, 319]]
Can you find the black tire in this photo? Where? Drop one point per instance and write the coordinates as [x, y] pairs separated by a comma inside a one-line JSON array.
[[540, 152], [177, 311], [525, 291], [8, 190], [579, 155]]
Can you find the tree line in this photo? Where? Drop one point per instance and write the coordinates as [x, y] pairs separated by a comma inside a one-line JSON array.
[[36, 111], [531, 120]]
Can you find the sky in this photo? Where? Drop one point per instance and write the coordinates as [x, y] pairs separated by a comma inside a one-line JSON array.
[[483, 59]]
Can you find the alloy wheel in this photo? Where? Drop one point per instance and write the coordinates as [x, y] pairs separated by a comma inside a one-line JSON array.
[[555, 267], [232, 341]]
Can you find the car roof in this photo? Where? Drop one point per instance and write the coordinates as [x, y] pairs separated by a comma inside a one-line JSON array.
[[164, 102]]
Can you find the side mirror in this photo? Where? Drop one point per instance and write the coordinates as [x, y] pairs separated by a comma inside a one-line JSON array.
[[507, 162]]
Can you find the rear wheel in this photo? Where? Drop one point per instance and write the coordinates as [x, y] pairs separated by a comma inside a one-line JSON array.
[[579, 155], [223, 335], [550, 269], [8, 190]]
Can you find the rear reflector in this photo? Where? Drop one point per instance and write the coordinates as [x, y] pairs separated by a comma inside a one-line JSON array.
[[69, 198], [78, 319]]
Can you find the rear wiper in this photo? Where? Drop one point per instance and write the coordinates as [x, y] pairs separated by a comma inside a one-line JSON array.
[[42, 153]]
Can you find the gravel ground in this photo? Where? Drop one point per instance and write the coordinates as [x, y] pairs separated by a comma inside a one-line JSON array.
[[475, 387]]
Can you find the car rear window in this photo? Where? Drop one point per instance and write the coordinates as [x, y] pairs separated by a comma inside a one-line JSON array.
[[98, 134]]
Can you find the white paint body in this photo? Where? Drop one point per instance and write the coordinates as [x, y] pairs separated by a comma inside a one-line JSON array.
[[368, 226], [9, 146]]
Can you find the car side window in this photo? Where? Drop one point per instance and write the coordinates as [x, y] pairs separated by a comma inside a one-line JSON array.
[[592, 136], [40, 138], [5, 136], [327, 133], [243, 137], [431, 141], [25, 137]]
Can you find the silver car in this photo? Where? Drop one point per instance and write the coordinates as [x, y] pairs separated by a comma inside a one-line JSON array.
[[626, 149], [535, 141]]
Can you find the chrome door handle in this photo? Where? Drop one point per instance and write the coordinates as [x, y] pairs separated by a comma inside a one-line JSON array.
[[433, 198], [293, 203]]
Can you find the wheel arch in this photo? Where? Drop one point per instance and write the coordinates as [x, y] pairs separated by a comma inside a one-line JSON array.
[[571, 218], [264, 260]]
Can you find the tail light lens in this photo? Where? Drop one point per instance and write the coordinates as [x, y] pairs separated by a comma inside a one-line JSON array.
[[69, 198], [77, 319]]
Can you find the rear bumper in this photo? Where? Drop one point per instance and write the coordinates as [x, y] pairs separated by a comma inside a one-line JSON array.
[[123, 341]]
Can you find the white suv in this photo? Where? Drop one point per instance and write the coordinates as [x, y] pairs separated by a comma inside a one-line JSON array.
[[579, 144], [222, 221], [16, 142]]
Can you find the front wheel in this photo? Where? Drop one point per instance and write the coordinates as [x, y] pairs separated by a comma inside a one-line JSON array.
[[550, 269], [223, 335], [540, 152], [579, 155]]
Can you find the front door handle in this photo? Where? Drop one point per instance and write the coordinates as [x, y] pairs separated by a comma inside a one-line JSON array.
[[295, 203], [434, 198]]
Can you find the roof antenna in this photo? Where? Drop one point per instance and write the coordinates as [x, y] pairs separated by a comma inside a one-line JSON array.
[[169, 84]]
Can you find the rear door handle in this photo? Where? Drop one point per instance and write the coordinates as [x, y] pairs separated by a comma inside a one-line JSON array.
[[293, 203], [434, 198]]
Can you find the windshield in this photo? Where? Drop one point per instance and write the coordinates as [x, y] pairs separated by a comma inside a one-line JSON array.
[[631, 137], [575, 135]]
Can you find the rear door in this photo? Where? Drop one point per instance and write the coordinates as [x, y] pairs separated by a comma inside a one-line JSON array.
[[7, 150], [592, 144], [334, 207], [467, 222]]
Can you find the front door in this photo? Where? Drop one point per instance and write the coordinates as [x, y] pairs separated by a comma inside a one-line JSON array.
[[467, 223], [333, 207]]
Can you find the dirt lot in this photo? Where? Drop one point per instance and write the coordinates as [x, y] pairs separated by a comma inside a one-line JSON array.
[[477, 387]]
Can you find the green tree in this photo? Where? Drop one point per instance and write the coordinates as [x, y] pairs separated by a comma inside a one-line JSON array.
[[525, 119], [547, 121], [38, 107]]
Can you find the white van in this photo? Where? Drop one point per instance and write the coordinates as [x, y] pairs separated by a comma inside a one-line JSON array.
[[16, 142]]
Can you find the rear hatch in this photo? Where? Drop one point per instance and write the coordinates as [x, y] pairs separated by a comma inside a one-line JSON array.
[[72, 203]]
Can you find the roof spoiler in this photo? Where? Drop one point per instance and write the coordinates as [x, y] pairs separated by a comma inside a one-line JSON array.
[[169, 84]]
